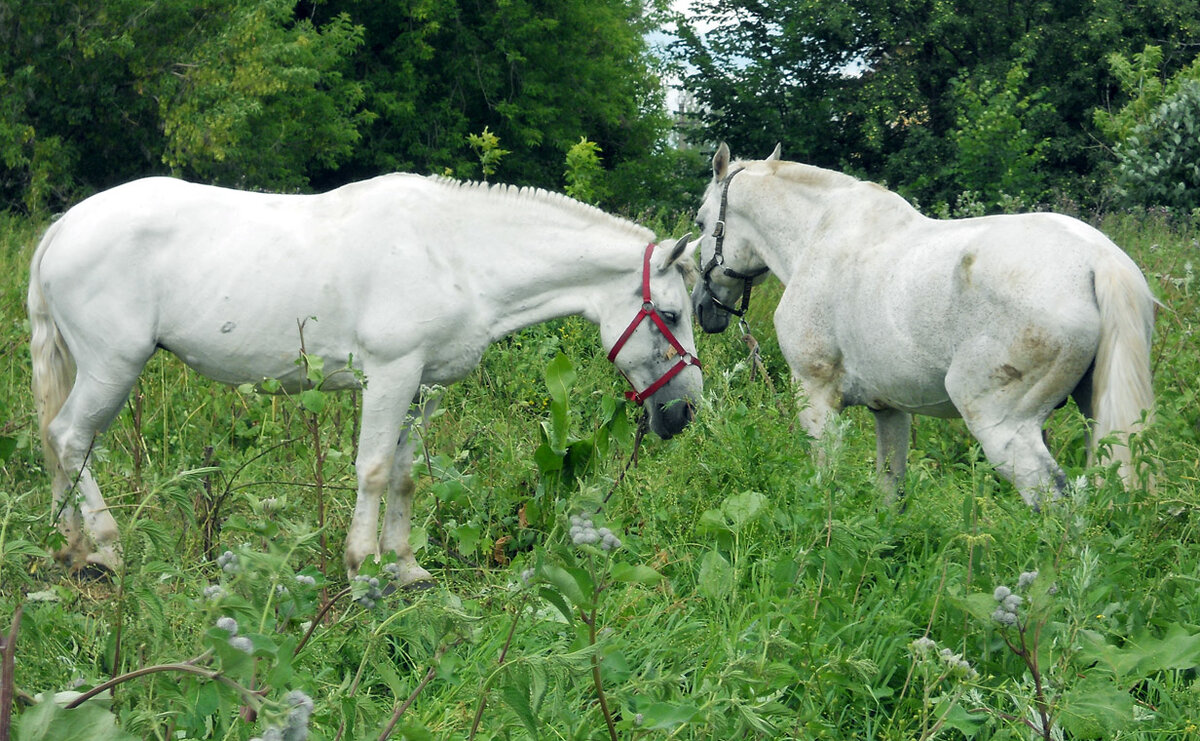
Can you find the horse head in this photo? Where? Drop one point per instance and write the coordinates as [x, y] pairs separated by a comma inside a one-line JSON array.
[[729, 264], [656, 350]]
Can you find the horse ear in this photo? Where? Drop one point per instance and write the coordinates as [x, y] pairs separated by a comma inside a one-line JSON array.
[[777, 153], [721, 161], [676, 252]]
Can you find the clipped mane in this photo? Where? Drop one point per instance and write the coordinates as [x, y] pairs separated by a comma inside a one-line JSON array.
[[803, 174], [551, 199], [821, 179]]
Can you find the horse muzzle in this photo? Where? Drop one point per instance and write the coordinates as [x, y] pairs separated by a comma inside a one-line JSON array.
[[669, 419], [713, 319]]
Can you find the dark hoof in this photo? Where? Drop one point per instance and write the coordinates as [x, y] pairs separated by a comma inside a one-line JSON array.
[[95, 572], [419, 585]]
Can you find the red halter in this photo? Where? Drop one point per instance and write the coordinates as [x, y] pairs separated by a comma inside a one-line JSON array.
[[649, 310]]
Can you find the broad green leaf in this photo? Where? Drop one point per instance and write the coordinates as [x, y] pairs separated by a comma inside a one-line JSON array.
[[635, 574], [560, 377], [712, 520], [716, 576], [1144, 654], [313, 400], [314, 368], [953, 715], [743, 508], [573, 584], [467, 537], [665, 715], [547, 459], [1095, 709], [88, 722], [555, 598]]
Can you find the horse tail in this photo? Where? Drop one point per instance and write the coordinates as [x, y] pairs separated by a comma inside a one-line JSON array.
[[1122, 388], [53, 366]]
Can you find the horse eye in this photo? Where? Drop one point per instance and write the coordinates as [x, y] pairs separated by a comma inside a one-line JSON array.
[[671, 317]]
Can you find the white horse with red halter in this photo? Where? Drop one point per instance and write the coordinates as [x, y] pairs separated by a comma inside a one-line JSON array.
[[404, 279], [996, 319]]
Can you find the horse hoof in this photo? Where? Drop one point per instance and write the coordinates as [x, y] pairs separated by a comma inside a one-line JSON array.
[[420, 585], [96, 572]]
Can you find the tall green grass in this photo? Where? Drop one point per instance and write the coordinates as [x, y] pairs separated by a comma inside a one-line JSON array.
[[753, 595]]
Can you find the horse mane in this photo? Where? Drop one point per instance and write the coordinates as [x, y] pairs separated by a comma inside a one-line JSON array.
[[803, 174], [559, 201], [823, 179]]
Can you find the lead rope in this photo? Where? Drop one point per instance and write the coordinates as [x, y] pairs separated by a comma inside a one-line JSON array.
[[643, 426], [757, 365]]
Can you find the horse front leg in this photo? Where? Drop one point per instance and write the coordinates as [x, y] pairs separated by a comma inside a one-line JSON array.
[[384, 427], [397, 518], [892, 428], [819, 404]]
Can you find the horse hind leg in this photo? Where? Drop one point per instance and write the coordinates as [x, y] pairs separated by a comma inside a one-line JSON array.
[[1005, 408], [93, 539], [1019, 453], [892, 428]]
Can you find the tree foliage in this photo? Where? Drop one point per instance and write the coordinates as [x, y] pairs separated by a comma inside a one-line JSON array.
[[294, 95], [1156, 134], [933, 97]]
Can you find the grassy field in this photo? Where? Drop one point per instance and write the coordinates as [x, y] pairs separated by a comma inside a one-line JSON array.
[[753, 594]]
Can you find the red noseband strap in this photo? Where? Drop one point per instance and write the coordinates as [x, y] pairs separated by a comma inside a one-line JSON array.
[[649, 310]]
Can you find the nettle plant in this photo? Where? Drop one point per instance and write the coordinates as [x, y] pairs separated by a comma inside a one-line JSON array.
[[1076, 666]]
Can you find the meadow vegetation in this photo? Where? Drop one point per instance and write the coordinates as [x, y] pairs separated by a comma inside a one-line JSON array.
[[722, 586]]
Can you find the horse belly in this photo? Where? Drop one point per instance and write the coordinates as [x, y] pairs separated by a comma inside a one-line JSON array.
[[916, 394]]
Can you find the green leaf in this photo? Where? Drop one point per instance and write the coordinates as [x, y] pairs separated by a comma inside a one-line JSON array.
[[953, 715], [665, 715], [1095, 709], [88, 722], [516, 694], [574, 584], [547, 459], [716, 576], [313, 400], [635, 574], [314, 369], [744, 508], [467, 537], [560, 378], [20, 547], [556, 599], [712, 521], [1144, 654]]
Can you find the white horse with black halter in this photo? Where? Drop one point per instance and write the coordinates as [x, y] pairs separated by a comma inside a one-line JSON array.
[[996, 320], [403, 279]]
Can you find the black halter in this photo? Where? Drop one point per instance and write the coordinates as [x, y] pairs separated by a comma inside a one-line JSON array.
[[718, 259]]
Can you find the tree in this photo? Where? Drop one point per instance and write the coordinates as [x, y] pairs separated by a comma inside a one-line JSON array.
[[539, 75], [883, 88], [1156, 134], [234, 91]]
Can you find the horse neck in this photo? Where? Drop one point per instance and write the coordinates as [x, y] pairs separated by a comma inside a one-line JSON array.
[[557, 276], [801, 209]]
